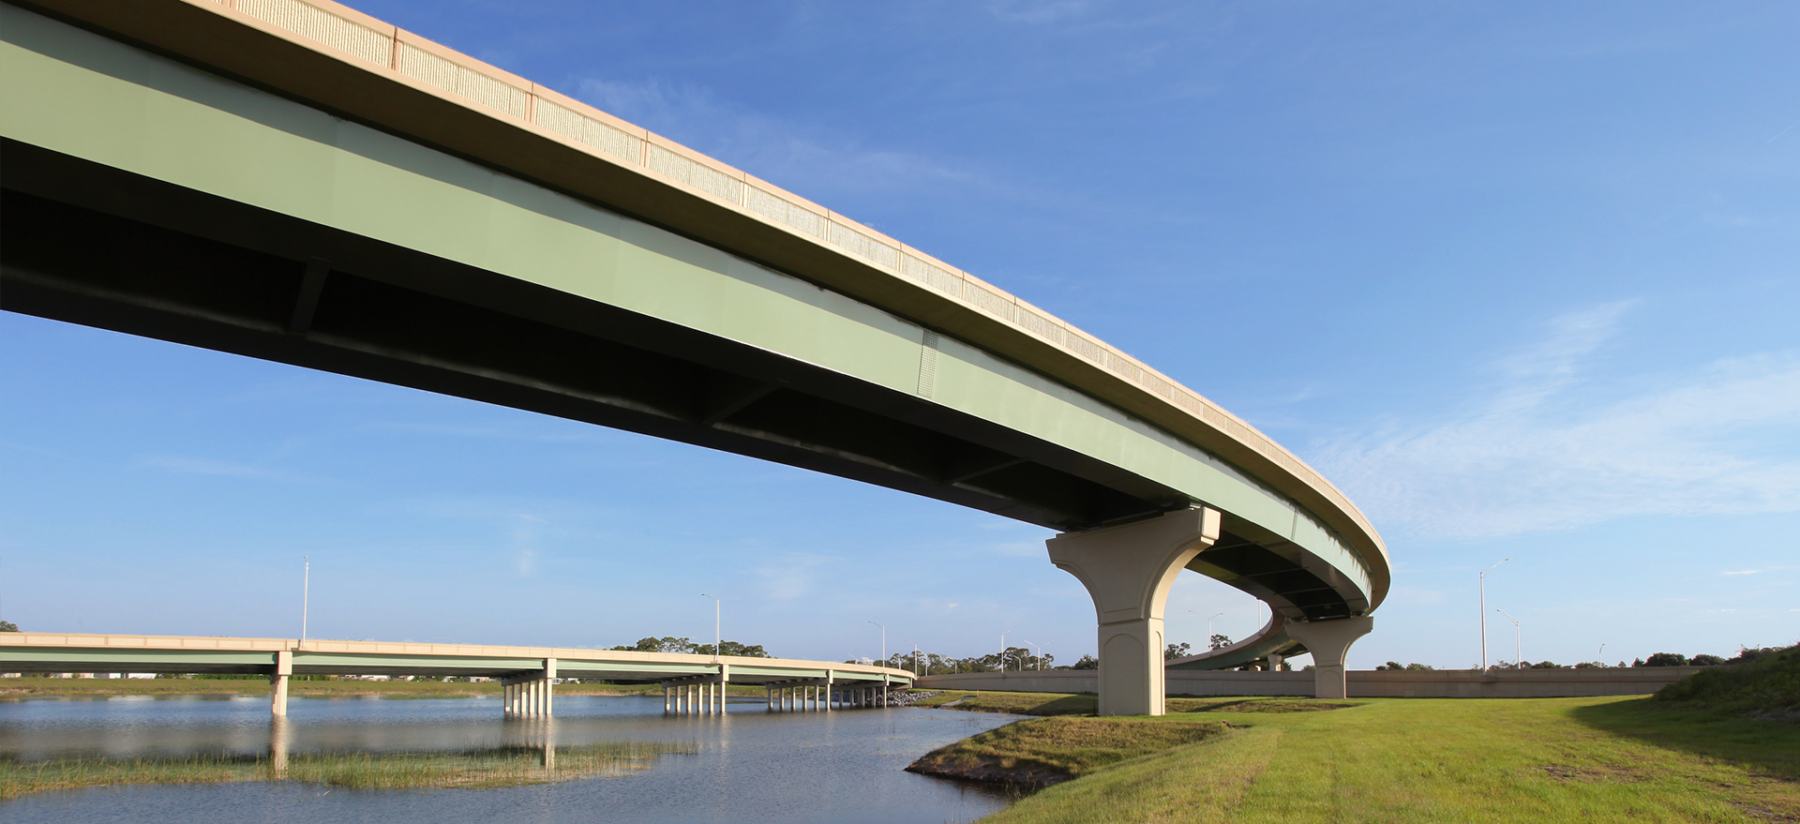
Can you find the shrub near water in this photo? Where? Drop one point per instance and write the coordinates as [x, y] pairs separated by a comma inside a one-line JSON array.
[[1768, 686]]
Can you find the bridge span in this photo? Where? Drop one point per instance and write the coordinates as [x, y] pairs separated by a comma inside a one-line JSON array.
[[691, 683], [296, 181]]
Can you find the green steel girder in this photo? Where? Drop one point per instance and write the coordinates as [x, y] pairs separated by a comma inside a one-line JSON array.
[[62, 659]]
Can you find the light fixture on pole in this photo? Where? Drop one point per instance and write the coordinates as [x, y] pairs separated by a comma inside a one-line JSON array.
[[1003, 650], [1040, 655], [1481, 581], [884, 661], [1600, 657], [1518, 657], [305, 595], [716, 610]]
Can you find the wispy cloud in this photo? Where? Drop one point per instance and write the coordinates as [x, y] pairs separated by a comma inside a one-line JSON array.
[[189, 465], [1757, 571], [789, 575], [792, 155], [1039, 12], [1540, 451]]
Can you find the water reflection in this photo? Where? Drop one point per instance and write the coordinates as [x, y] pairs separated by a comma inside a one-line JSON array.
[[746, 765]]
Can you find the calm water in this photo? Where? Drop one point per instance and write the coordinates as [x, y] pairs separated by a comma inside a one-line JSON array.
[[750, 765]]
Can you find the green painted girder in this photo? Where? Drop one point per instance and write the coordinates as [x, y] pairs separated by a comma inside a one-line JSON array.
[[133, 660]]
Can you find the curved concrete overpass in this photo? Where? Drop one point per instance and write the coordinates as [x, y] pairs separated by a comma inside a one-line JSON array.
[[295, 181]]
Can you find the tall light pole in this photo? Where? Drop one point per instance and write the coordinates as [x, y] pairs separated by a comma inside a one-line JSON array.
[[1482, 583], [716, 610], [883, 644], [305, 595], [1040, 655], [1600, 657], [1003, 650], [1518, 657]]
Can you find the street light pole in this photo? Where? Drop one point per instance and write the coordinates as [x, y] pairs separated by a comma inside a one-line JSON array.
[[883, 644], [1482, 583], [305, 595], [1003, 650], [716, 638], [1518, 657], [1040, 655]]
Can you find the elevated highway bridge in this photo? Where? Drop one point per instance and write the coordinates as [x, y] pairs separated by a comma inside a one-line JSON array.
[[691, 683], [295, 181]]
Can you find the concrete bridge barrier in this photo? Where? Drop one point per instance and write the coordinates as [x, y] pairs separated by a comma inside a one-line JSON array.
[[1545, 683]]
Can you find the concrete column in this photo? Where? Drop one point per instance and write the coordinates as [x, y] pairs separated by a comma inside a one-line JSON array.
[[1128, 571], [549, 686], [1328, 641], [278, 683], [280, 739], [1274, 662], [505, 698]]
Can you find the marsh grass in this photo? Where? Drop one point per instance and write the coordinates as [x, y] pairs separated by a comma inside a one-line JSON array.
[[474, 768]]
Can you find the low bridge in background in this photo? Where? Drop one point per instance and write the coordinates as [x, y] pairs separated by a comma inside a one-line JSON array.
[[691, 683]]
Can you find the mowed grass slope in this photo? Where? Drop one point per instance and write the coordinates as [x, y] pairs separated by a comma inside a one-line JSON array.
[[1394, 760]]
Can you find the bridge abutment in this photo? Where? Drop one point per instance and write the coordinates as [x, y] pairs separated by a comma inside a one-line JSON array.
[[1128, 571], [1328, 641]]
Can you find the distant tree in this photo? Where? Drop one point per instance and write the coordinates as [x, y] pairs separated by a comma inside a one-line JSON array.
[[1546, 665], [1220, 642], [1087, 662], [1175, 651], [731, 648], [1664, 659], [1391, 665], [8, 626], [1419, 667], [665, 644], [1705, 660], [1396, 665]]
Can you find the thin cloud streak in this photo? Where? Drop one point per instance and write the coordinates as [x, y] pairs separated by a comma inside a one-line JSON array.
[[769, 147], [1539, 453]]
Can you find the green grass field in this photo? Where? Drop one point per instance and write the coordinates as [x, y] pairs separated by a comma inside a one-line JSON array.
[[1424, 760]]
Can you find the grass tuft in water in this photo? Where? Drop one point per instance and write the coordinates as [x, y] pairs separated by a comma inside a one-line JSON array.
[[471, 769]]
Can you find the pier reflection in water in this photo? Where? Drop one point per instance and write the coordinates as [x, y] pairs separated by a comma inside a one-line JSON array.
[[746, 765]]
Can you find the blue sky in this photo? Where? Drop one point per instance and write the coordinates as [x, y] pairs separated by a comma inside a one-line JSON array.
[[1521, 280]]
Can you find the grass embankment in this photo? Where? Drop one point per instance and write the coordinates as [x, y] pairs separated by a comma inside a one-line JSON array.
[[1434, 760], [92, 687], [1768, 687], [497, 767]]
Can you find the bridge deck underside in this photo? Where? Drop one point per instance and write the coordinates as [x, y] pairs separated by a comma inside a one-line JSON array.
[[90, 244]]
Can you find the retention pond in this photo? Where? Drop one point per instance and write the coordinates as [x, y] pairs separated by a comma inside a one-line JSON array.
[[747, 765]]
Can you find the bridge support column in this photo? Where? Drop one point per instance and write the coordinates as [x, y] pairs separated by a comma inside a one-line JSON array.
[[278, 683], [1128, 571], [547, 687], [1274, 662], [1328, 641]]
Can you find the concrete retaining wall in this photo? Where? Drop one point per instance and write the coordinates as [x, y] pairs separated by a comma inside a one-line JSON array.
[[1547, 683]]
